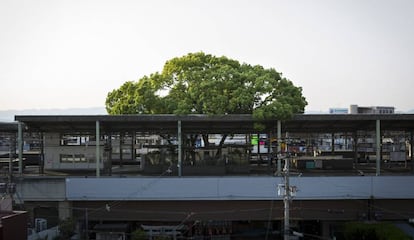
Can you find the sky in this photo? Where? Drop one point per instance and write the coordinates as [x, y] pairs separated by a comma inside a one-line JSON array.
[[71, 53]]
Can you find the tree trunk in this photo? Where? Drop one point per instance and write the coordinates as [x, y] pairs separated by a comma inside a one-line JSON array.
[[220, 147], [205, 139]]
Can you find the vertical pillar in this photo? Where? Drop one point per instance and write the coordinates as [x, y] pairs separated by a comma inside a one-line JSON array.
[[378, 146], [355, 147], [180, 153], [133, 154], [42, 153], [325, 230], [65, 210], [98, 151], [346, 141], [332, 143], [259, 157], [12, 151], [411, 150], [20, 146], [121, 155], [108, 153], [279, 147], [269, 148], [86, 224], [249, 149]]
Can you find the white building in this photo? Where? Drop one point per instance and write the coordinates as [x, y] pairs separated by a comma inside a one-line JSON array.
[[355, 109], [338, 111]]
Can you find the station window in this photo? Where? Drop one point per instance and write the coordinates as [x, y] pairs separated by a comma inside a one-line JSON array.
[[78, 139], [71, 158]]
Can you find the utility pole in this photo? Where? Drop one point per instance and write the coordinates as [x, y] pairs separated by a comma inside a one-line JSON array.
[[287, 192]]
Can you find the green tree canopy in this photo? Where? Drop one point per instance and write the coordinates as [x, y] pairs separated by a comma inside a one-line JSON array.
[[200, 83]]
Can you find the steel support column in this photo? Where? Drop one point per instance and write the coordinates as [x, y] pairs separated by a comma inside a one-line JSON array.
[[133, 153], [42, 154], [180, 153], [411, 150], [98, 150], [279, 147], [355, 147], [20, 146], [12, 152], [121, 155], [378, 146]]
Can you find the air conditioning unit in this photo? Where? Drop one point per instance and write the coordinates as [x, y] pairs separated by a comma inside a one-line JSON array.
[[40, 224]]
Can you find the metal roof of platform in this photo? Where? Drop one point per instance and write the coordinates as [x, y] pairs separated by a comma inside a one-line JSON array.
[[234, 123], [8, 126]]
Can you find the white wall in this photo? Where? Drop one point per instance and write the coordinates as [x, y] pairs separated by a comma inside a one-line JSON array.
[[53, 150], [238, 188]]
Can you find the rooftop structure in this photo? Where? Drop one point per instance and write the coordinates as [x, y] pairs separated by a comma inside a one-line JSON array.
[[355, 109], [13, 225], [338, 111]]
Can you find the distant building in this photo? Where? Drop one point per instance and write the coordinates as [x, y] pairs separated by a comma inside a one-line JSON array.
[[13, 225], [355, 109], [338, 111]]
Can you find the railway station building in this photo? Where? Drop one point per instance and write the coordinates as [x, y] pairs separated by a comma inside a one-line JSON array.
[[215, 177]]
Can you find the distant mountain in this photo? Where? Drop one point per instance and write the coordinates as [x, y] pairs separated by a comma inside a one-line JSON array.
[[8, 115], [316, 112]]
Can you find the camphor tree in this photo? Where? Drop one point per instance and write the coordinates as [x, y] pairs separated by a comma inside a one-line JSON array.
[[200, 83]]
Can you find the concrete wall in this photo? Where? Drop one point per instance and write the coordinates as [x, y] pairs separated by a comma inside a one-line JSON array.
[[212, 188], [53, 150], [40, 189], [238, 188], [236, 198]]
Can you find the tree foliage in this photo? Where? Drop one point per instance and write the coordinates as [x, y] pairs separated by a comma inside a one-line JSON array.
[[66, 229], [374, 231], [139, 234], [199, 83]]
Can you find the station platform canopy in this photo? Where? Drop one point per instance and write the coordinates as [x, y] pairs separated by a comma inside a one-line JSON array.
[[225, 124], [8, 126]]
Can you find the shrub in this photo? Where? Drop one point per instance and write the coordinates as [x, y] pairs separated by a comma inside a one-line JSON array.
[[138, 234], [373, 231]]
